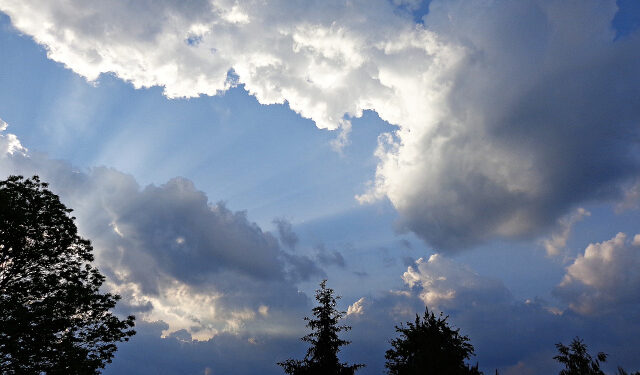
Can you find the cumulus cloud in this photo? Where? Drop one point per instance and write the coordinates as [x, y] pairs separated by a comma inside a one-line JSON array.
[[482, 308], [9, 143], [508, 333], [173, 255], [605, 278], [505, 158], [444, 283], [357, 308], [489, 142]]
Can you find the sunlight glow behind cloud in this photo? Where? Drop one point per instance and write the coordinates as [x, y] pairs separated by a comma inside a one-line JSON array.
[[488, 145]]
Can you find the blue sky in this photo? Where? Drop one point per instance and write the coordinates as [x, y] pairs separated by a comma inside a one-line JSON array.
[[224, 157]]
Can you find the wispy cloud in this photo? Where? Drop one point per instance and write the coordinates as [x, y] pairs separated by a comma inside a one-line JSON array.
[[558, 239]]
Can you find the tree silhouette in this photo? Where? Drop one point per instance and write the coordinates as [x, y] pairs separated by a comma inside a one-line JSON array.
[[429, 346], [577, 360], [622, 371], [322, 355], [53, 319]]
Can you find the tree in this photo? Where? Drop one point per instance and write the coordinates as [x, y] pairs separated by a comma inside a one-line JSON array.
[[622, 371], [576, 359], [429, 346], [53, 318], [322, 355]]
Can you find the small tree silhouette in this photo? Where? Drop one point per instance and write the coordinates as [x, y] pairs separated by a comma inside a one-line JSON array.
[[429, 346], [577, 360], [322, 356]]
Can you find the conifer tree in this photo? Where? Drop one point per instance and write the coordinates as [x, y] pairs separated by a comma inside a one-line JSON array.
[[429, 346], [322, 355]]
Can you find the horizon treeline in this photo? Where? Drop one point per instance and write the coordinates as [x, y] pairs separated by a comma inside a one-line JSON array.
[[430, 345]]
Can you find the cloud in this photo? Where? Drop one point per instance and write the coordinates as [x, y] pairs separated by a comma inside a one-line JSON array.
[[444, 283], [285, 231], [631, 199], [509, 114], [9, 143], [329, 257], [173, 255], [481, 307], [303, 268], [357, 308], [511, 334], [605, 278], [501, 156], [149, 354], [409, 4], [558, 240]]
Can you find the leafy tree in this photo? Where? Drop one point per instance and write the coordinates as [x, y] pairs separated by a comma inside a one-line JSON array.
[[622, 371], [429, 346], [576, 359], [322, 355], [53, 318]]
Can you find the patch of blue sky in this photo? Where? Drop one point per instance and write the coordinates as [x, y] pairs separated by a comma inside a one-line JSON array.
[[627, 20]]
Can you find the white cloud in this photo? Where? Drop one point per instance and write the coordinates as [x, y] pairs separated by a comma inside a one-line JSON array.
[[605, 278], [9, 143], [443, 283], [510, 114], [558, 240], [357, 308]]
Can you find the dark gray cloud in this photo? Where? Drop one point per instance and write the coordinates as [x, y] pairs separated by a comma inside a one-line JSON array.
[[329, 257], [243, 354], [173, 255], [540, 115], [287, 236], [303, 268]]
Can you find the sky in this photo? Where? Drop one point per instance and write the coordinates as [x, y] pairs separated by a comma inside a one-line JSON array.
[[480, 158]]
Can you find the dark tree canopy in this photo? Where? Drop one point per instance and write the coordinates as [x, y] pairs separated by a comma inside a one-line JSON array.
[[322, 355], [622, 371], [576, 359], [429, 346], [53, 318]]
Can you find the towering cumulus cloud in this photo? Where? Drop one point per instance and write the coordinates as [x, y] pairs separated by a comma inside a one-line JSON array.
[[510, 113]]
